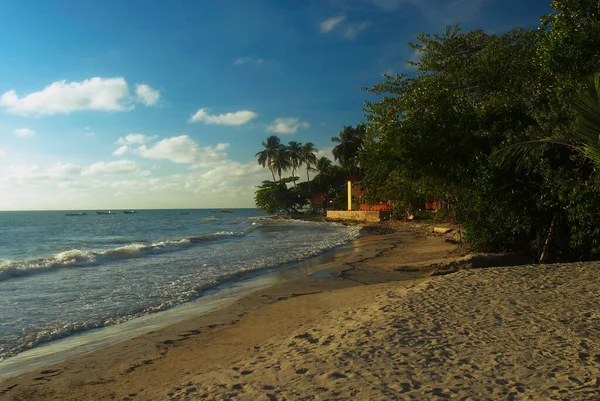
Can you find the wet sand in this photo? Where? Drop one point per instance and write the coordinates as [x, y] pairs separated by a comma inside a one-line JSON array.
[[369, 325]]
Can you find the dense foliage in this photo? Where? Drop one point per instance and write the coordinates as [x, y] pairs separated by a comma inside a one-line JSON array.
[[273, 197], [432, 135]]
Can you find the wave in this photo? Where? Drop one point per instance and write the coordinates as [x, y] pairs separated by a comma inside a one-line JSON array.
[[191, 290], [86, 258]]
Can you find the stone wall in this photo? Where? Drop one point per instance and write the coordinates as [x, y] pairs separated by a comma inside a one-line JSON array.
[[358, 215]]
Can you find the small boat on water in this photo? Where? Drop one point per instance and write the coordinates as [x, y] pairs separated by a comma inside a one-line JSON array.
[[105, 212], [184, 213], [226, 211], [129, 211], [76, 214]]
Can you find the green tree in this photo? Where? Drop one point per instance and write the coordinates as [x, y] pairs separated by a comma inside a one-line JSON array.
[[295, 155], [272, 197], [308, 157], [265, 156], [349, 143], [280, 160], [584, 139], [324, 169]]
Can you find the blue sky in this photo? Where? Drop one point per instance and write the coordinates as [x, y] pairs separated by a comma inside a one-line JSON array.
[[163, 104]]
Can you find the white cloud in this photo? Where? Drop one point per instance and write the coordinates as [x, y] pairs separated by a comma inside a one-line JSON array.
[[115, 167], [134, 139], [2, 152], [121, 150], [107, 94], [24, 132], [330, 23], [235, 118], [353, 30], [129, 140], [146, 95], [62, 97], [184, 150], [326, 152], [63, 169], [286, 125], [249, 60]]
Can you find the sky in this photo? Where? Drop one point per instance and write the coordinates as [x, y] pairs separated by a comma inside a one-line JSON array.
[[142, 104]]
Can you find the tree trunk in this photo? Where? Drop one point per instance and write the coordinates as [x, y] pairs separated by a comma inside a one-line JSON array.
[[272, 173], [546, 250], [312, 206], [294, 176]]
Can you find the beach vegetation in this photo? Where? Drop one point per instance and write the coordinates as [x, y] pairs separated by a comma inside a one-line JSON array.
[[502, 128], [273, 197], [349, 143], [474, 95]]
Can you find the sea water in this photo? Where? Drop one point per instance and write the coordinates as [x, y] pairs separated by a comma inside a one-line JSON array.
[[62, 275]]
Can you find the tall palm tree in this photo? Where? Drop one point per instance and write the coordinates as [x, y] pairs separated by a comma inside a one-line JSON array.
[[324, 167], [280, 160], [294, 149], [350, 141], [585, 139], [308, 157], [265, 157]]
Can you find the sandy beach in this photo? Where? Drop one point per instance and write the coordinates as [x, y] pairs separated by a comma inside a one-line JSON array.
[[372, 324]]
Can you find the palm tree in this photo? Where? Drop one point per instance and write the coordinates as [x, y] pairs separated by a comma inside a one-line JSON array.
[[308, 156], [585, 139], [265, 156], [280, 160], [350, 141], [294, 149], [324, 167]]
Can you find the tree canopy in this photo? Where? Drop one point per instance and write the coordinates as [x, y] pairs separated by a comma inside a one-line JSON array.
[[432, 134]]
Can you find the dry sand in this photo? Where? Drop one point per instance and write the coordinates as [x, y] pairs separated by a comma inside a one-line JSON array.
[[528, 332]]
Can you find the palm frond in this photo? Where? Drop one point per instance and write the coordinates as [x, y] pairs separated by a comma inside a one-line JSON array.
[[587, 106], [585, 138], [516, 154]]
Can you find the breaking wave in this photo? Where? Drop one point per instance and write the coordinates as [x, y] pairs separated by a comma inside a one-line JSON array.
[[85, 258]]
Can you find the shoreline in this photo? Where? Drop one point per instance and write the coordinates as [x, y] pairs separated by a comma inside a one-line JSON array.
[[312, 276], [212, 298], [372, 323]]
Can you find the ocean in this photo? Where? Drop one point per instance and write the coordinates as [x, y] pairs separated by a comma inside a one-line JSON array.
[[63, 275]]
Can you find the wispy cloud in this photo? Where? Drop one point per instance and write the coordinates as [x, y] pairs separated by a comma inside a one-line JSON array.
[[24, 132], [354, 29], [135, 139], [347, 29], [239, 117], [286, 125], [256, 61], [146, 95], [330, 23], [436, 12], [87, 132], [62, 97], [114, 167]]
